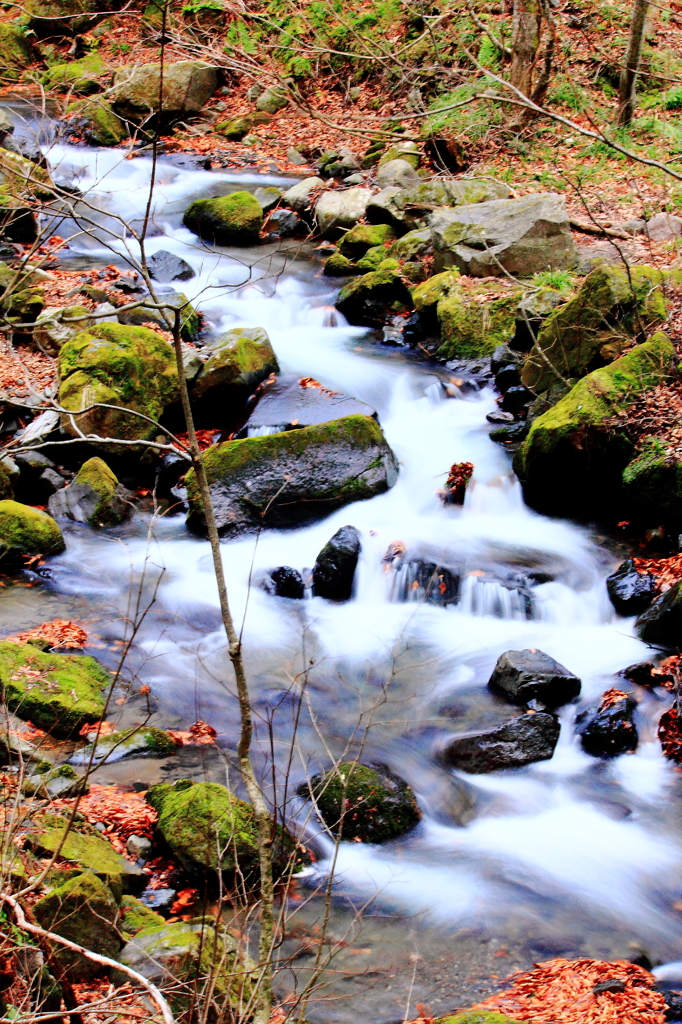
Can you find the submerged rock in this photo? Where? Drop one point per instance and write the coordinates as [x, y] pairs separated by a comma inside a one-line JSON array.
[[334, 570], [94, 496], [26, 531], [83, 910], [235, 219], [522, 676], [608, 730], [521, 741], [631, 591], [293, 477], [379, 806]]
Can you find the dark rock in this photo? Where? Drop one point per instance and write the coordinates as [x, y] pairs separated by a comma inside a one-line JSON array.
[[673, 1005], [166, 266], [512, 433], [521, 741], [503, 356], [516, 398], [287, 582], [610, 985], [520, 676], [335, 566], [661, 623], [507, 377], [631, 592], [418, 580], [284, 223], [379, 806], [641, 674], [289, 402], [609, 729]]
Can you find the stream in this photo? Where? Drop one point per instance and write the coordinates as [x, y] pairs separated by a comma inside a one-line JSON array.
[[572, 856]]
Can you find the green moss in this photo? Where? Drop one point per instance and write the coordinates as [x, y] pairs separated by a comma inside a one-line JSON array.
[[80, 76], [402, 151], [473, 322], [21, 177], [83, 910], [27, 531], [373, 258], [362, 237], [412, 245], [337, 265], [652, 485], [97, 121], [6, 491], [477, 1017], [15, 51], [96, 475], [375, 811], [235, 219], [147, 741], [57, 692], [237, 127], [371, 297], [430, 292], [136, 917], [240, 361]]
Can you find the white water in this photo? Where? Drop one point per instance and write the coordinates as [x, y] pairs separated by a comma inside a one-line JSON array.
[[564, 847]]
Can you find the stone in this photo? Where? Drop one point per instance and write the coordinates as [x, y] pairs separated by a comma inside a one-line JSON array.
[[55, 783], [16, 52], [409, 208], [337, 265], [379, 806], [83, 910], [516, 398], [516, 236], [611, 307], [285, 479], [146, 741], [413, 245], [56, 324], [663, 227], [82, 845], [299, 196], [61, 17], [334, 570], [67, 694], [652, 485], [336, 210], [661, 623], [135, 916], [477, 1017], [94, 496], [356, 242], [95, 121], [562, 476], [507, 377], [524, 740], [636, 226], [408, 151], [286, 582], [140, 848], [396, 174], [272, 100], [522, 676], [338, 163], [26, 531], [284, 223], [609, 729], [187, 86], [475, 320], [631, 592], [288, 402], [267, 197], [295, 157], [368, 300], [237, 128], [116, 364], [146, 312], [235, 219], [165, 267], [503, 356], [237, 363], [80, 77]]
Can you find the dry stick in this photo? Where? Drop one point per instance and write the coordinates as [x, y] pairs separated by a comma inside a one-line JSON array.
[[105, 961]]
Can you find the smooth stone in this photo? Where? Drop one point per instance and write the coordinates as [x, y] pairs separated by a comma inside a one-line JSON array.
[[631, 592], [521, 676], [521, 741]]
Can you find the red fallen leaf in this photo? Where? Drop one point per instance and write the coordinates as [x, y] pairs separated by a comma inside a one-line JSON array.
[[57, 633], [198, 735], [184, 899], [103, 728], [456, 484], [670, 734]]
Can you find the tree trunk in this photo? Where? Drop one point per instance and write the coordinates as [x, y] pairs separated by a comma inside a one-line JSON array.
[[524, 45], [628, 76]]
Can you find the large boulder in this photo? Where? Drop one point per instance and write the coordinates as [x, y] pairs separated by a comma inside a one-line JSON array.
[[409, 208], [63, 17], [237, 363], [474, 321], [22, 185], [299, 196], [365, 802], [524, 740], [94, 496], [235, 219], [132, 368], [57, 692], [611, 307], [572, 460], [338, 210], [631, 592], [356, 242], [522, 676], [83, 910], [80, 76], [608, 729], [297, 476], [288, 402], [187, 86], [652, 485], [519, 236], [25, 532], [661, 623], [368, 300], [334, 569]]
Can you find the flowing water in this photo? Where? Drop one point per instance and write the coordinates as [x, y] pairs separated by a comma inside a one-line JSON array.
[[570, 855]]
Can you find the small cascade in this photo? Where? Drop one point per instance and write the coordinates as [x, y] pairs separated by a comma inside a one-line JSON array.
[[484, 596]]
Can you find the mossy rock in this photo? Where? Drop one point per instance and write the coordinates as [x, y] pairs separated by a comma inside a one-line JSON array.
[[474, 321], [147, 741], [430, 292], [238, 362], [6, 490], [95, 119], [408, 151], [26, 531], [372, 259], [21, 178], [477, 1017], [94, 496], [412, 245], [652, 485], [337, 265], [15, 52], [235, 219], [79, 76], [368, 300], [187, 86], [83, 910], [237, 127], [130, 367], [53, 328], [379, 806], [57, 692], [611, 308], [61, 17], [54, 782], [297, 476], [137, 917], [573, 459], [362, 237], [190, 318]]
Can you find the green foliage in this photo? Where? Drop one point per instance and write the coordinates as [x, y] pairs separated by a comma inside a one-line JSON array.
[[568, 94], [489, 55], [673, 98], [561, 280], [203, 5]]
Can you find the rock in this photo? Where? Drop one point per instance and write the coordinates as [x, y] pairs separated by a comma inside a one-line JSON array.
[[336, 210], [83, 846], [37, 479], [631, 591], [298, 197], [379, 806], [295, 157], [286, 403], [337, 265], [238, 127], [39, 428], [237, 363], [636, 226], [284, 223], [372, 259], [337, 163], [235, 219], [132, 367], [267, 197], [564, 476], [94, 120], [25, 531], [187, 86], [356, 242], [612, 306], [521, 741], [61, 17], [663, 227], [519, 236], [477, 1017], [396, 174], [56, 324], [334, 570], [522, 676], [139, 316], [504, 356], [609, 730], [286, 582], [369, 299], [507, 377], [516, 399], [661, 623], [16, 53], [409, 208], [147, 741], [94, 496], [652, 485], [474, 321], [413, 245], [165, 267], [54, 783], [272, 99], [297, 476], [83, 910], [80, 77], [135, 916], [408, 151], [69, 693]]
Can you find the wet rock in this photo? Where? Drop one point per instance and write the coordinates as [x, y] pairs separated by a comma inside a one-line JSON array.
[[521, 741], [513, 433], [368, 300], [522, 676], [38, 479], [337, 265], [284, 223], [630, 591], [334, 569], [379, 806], [158, 899], [297, 476], [661, 623], [237, 363], [287, 582], [187, 85], [286, 403], [235, 219], [81, 845], [94, 496], [641, 674], [83, 910], [499, 416], [93, 119], [147, 741], [26, 531], [422, 581], [507, 377], [165, 267], [135, 916], [608, 730], [356, 242], [516, 398]]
